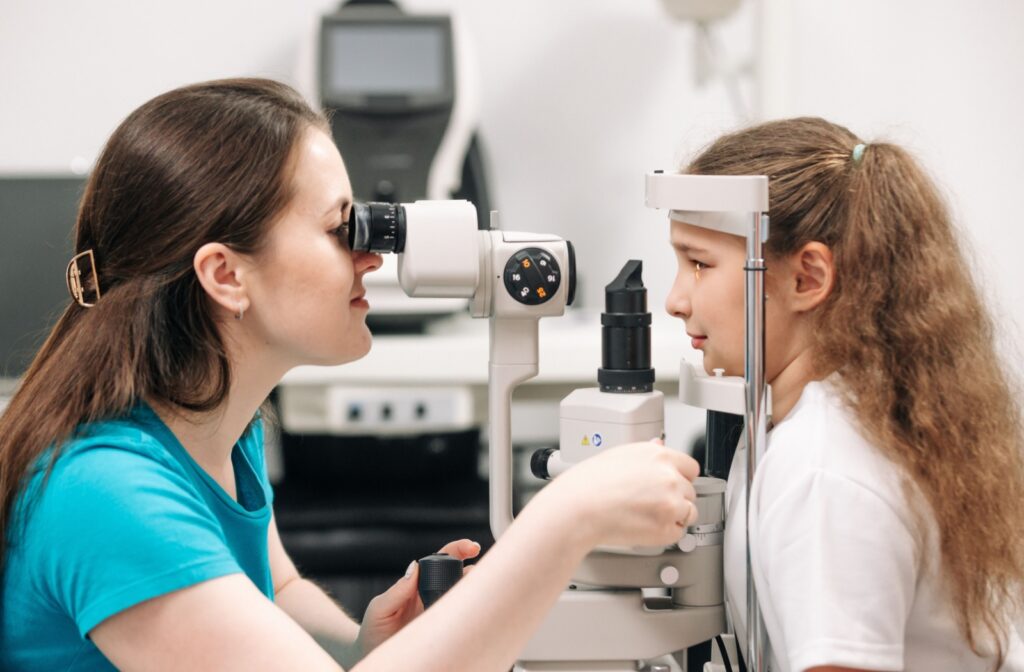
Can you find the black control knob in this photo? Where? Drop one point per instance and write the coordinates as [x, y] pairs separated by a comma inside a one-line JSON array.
[[532, 276], [539, 463], [438, 573]]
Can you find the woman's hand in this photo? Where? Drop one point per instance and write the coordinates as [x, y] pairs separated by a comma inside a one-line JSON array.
[[639, 494], [393, 609]]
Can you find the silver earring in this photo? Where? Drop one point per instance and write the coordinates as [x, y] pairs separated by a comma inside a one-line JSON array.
[[240, 313]]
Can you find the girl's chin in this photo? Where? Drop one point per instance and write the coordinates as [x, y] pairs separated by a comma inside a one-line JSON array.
[[711, 366]]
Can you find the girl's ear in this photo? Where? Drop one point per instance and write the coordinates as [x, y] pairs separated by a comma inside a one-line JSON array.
[[809, 277]]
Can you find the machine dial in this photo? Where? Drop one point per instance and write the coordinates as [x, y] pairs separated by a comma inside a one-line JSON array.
[[532, 276]]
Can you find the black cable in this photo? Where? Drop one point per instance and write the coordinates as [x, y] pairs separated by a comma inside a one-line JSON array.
[[739, 654], [725, 654]]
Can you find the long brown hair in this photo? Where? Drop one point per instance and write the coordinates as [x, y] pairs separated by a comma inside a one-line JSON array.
[[907, 332], [203, 163]]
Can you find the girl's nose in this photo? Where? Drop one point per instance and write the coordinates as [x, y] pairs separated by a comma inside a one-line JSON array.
[[677, 304]]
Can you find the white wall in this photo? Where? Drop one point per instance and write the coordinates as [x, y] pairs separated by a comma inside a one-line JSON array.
[[946, 79], [579, 98]]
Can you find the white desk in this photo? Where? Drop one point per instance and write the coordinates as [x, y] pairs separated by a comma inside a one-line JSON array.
[[454, 354]]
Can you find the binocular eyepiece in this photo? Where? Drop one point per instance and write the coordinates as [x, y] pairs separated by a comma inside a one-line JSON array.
[[377, 227]]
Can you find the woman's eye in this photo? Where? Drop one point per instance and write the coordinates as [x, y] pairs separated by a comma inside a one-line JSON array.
[[698, 266], [341, 231]]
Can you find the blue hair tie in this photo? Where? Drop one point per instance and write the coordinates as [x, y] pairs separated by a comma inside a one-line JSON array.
[[858, 153]]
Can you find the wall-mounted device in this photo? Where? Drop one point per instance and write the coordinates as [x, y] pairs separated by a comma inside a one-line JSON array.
[[401, 95]]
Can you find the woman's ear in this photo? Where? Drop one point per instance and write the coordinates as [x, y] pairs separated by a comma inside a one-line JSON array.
[[809, 276], [222, 273]]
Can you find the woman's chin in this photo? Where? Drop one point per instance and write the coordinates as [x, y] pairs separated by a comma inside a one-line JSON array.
[[350, 351]]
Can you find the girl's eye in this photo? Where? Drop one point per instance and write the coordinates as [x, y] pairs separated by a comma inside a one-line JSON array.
[[698, 266]]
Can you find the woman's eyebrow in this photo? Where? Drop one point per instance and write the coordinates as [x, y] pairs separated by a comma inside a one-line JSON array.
[[340, 204]]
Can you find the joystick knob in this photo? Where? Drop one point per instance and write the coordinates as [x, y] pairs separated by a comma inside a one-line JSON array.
[[438, 573]]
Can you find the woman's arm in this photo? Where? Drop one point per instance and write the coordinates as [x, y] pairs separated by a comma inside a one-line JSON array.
[[318, 614], [309, 606], [634, 495], [486, 619], [221, 624]]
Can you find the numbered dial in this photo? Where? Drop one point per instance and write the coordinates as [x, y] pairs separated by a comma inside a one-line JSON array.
[[532, 276]]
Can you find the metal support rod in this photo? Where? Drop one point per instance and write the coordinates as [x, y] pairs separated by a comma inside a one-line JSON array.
[[756, 420], [513, 347]]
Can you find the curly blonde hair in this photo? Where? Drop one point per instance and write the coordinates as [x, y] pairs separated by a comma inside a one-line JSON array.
[[907, 332]]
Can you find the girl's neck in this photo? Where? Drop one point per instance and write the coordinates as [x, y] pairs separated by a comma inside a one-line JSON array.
[[788, 384]]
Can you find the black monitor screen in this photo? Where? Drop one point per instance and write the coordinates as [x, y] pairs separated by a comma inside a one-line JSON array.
[[380, 59], [37, 221]]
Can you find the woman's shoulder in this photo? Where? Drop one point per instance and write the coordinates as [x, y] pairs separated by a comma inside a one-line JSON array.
[[114, 446]]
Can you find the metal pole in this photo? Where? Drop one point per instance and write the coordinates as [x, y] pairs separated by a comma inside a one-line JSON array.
[[756, 420]]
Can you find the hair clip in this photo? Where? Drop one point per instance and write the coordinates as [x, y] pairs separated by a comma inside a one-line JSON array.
[[73, 276]]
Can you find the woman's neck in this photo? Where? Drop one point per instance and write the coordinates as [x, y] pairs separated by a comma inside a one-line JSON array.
[[210, 437]]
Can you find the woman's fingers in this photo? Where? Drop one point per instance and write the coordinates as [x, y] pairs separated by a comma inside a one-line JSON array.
[[463, 549], [686, 465]]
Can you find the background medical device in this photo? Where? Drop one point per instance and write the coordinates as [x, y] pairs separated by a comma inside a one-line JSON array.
[[401, 96]]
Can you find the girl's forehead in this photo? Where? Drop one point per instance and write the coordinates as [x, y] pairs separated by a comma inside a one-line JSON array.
[[692, 237]]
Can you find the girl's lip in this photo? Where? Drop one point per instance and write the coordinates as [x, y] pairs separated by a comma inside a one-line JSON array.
[[698, 342], [359, 303]]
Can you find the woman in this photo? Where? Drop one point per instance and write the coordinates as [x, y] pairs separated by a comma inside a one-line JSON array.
[[887, 512], [137, 518]]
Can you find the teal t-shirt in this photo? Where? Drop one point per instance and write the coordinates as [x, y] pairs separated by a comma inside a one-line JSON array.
[[127, 515]]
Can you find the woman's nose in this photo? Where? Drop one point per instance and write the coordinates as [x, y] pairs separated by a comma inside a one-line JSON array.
[[367, 262]]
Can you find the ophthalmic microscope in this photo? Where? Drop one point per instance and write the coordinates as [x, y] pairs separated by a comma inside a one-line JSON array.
[[603, 621]]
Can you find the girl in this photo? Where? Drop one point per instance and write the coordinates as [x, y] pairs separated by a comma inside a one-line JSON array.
[[888, 509], [136, 516]]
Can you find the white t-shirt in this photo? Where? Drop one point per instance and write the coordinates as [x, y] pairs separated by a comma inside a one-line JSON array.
[[842, 577]]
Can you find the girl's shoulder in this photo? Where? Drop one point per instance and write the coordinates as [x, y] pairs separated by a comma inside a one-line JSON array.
[[822, 439]]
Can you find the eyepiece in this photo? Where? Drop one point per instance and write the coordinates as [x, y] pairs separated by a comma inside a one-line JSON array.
[[377, 227], [626, 334]]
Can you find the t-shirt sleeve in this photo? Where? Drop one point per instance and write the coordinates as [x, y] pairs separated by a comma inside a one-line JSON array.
[[123, 527], [840, 567]]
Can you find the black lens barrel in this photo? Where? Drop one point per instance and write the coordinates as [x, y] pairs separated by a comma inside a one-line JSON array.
[[626, 334], [377, 227]]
